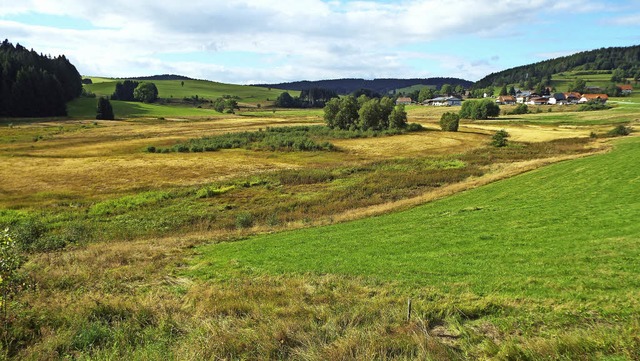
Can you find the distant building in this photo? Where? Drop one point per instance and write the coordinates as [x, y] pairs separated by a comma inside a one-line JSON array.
[[627, 89], [572, 97], [558, 98], [602, 98], [506, 100], [538, 101], [404, 101], [593, 89], [443, 102]]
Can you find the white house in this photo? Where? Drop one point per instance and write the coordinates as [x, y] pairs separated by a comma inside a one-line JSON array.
[[444, 102], [557, 98], [538, 101]]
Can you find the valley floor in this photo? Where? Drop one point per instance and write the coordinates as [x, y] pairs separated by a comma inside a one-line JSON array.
[[141, 255]]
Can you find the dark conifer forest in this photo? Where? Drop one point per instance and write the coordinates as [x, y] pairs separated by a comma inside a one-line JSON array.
[[35, 85], [624, 59]]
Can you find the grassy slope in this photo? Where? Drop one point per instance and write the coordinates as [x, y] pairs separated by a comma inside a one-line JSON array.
[[565, 235], [85, 107], [201, 88]]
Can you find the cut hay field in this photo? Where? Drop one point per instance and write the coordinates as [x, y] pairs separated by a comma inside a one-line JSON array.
[[139, 255]]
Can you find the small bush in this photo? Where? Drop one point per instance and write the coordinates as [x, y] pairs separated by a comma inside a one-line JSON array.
[[151, 149], [244, 220], [209, 192], [449, 122], [619, 131], [414, 127], [520, 109], [500, 138]]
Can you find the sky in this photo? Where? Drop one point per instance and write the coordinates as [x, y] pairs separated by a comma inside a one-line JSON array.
[[258, 41]]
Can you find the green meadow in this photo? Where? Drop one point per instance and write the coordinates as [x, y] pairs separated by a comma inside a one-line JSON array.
[[202, 88], [556, 252]]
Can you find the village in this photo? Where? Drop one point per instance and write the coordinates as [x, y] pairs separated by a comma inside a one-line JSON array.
[[528, 97]]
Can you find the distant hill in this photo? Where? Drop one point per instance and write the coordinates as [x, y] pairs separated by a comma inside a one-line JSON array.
[[382, 86], [625, 58]]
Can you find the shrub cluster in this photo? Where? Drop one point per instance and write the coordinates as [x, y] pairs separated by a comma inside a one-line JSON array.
[[520, 109], [619, 131], [479, 109], [284, 139], [349, 113], [500, 138], [299, 138], [593, 105]]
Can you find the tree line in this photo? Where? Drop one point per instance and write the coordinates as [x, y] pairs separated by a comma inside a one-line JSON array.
[[382, 86], [309, 98], [130, 90], [626, 60], [35, 85]]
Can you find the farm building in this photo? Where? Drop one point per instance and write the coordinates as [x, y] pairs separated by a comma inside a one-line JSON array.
[[538, 101], [558, 98], [506, 100], [404, 101], [597, 97], [626, 89], [572, 97], [444, 102]]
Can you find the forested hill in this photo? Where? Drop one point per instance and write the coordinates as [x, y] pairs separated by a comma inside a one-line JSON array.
[[382, 86], [625, 58], [35, 85], [162, 77]]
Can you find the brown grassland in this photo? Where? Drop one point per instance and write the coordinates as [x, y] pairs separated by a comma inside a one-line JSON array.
[[119, 294]]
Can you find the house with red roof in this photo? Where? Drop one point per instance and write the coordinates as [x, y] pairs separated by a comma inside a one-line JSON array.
[[626, 89], [602, 98], [506, 100]]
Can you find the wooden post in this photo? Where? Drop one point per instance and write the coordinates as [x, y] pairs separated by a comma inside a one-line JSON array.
[[409, 310]]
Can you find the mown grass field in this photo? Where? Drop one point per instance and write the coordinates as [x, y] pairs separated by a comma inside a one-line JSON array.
[[114, 234]]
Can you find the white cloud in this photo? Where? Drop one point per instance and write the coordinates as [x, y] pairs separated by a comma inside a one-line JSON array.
[[302, 39]]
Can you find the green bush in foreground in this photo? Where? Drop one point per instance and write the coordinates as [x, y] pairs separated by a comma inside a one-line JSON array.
[[10, 262]]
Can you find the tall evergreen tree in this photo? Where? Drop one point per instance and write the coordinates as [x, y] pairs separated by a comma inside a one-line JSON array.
[[104, 109], [33, 85]]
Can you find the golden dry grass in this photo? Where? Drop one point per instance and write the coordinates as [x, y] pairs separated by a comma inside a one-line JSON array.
[[96, 162]]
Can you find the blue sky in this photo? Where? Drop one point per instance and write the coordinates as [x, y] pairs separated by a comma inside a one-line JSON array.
[[256, 41]]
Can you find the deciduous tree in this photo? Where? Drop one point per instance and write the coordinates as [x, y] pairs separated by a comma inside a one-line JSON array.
[[146, 92]]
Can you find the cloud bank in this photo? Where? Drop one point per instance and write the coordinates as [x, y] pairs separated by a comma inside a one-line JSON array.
[[282, 41]]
